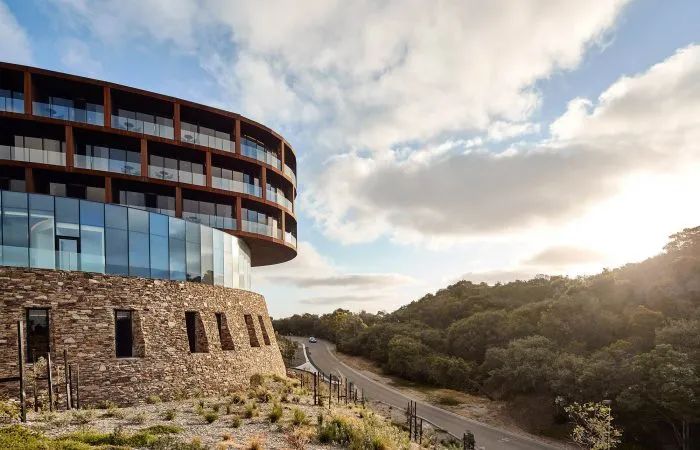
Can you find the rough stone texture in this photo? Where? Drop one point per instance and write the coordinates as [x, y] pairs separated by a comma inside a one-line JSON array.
[[82, 309]]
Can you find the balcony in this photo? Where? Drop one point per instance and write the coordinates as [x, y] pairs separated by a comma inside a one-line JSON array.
[[289, 238], [290, 173], [228, 223], [261, 228], [109, 160], [63, 109], [11, 101], [206, 137], [173, 170], [279, 198], [255, 150], [236, 186], [35, 150], [143, 124]]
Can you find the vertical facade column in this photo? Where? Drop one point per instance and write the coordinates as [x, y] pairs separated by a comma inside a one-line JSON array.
[[239, 214], [237, 135], [284, 224], [207, 168], [107, 97], [108, 189], [263, 182], [28, 95], [144, 157], [70, 148], [178, 201], [282, 152], [176, 121], [29, 180]]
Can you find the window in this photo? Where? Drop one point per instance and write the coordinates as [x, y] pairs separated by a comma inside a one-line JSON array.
[[116, 240], [176, 243], [196, 334], [224, 333], [124, 334], [92, 242], [41, 232], [159, 246], [139, 245], [37, 333], [15, 229], [266, 337], [251, 330]]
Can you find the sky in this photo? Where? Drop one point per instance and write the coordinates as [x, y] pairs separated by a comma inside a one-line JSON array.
[[436, 141]]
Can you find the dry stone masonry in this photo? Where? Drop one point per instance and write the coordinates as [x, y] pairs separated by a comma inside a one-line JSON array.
[[82, 321]]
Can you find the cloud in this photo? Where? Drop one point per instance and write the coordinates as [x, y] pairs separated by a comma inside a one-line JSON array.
[[496, 276], [15, 43], [564, 256], [647, 124], [339, 300], [76, 57], [362, 280]]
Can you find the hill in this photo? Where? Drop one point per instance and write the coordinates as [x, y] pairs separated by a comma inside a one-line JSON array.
[[629, 335]]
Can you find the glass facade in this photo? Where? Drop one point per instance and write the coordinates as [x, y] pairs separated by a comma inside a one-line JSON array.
[[143, 123], [11, 101], [233, 180], [35, 149], [254, 149], [172, 169], [50, 232], [66, 109], [96, 157], [208, 137]]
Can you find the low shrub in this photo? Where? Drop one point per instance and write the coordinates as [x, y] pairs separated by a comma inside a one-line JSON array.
[[82, 417], [275, 413], [153, 399], [299, 417], [210, 416], [298, 438], [236, 422], [17, 437], [256, 443], [237, 398], [170, 414], [251, 410], [256, 380], [138, 418]]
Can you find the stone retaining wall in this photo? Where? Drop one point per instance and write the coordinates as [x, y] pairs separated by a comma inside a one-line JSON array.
[[81, 314]]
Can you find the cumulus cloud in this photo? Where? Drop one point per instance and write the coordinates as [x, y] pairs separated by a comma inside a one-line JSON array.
[[647, 123], [564, 256], [76, 57], [15, 43]]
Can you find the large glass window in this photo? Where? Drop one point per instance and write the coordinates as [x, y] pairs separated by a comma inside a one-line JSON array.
[[218, 246], [41, 232], [38, 342], [15, 230], [207, 255], [194, 256], [116, 240], [92, 239], [67, 212], [178, 265], [139, 243], [159, 246]]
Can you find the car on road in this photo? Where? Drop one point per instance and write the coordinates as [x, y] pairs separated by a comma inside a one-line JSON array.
[[312, 340]]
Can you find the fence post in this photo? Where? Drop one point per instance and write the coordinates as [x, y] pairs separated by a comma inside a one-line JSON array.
[[20, 352], [66, 376], [77, 386], [49, 377]]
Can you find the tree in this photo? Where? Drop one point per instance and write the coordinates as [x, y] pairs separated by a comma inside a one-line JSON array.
[[469, 338], [593, 426], [686, 241]]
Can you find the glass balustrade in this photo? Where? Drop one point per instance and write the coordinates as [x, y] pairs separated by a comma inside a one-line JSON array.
[[171, 174], [35, 155], [143, 123], [279, 198], [257, 151], [107, 164], [290, 238], [228, 223], [290, 173], [63, 109], [236, 186], [11, 101], [261, 228], [207, 137]]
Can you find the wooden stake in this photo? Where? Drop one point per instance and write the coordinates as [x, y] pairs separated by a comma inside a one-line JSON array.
[[66, 376], [49, 377], [20, 352]]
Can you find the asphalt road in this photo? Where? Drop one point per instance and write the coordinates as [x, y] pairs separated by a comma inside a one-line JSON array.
[[486, 436]]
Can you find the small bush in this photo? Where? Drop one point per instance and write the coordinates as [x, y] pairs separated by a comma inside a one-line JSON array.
[[170, 414], [251, 410], [138, 419], [163, 429], [298, 438], [153, 399], [263, 395], [113, 411], [275, 413], [237, 398], [256, 380], [210, 416], [256, 443], [236, 422], [299, 417], [82, 417], [17, 437]]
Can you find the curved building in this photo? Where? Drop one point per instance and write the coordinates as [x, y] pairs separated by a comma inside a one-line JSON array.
[[129, 222]]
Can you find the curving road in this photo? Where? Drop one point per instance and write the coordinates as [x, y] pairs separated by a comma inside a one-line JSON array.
[[486, 436]]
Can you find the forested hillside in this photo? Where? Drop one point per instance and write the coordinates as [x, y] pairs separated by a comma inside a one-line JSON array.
[[629, 335]]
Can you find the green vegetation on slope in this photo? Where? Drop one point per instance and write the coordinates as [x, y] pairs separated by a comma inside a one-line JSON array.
[[629, 335]]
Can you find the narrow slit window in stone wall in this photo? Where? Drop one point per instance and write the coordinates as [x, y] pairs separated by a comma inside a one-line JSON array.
[[124, 334], [196, 334], [266, 337], [37, 334], [224, 333], [250, 325]]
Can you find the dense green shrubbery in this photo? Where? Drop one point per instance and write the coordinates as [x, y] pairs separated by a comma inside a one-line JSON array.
[[630, 335]]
